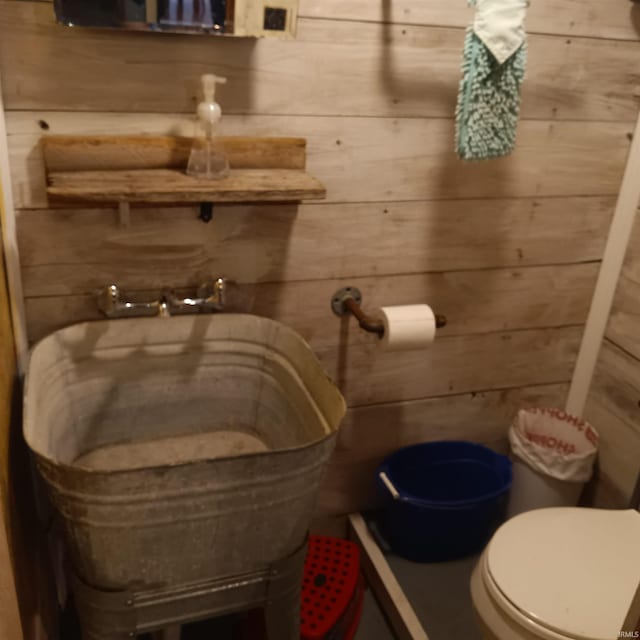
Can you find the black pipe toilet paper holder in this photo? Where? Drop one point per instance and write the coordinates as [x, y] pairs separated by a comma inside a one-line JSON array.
[[348, 300]]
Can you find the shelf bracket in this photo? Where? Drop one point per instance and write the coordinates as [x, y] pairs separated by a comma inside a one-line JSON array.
[[206, 211]]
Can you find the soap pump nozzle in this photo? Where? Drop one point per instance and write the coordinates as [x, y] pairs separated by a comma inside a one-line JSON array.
[[206, 159], [209, 111]]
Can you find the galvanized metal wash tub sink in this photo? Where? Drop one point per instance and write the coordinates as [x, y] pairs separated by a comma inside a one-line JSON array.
[[179, 452]]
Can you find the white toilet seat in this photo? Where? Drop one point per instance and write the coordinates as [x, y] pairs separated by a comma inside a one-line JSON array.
[[559, 574], [520, 618]]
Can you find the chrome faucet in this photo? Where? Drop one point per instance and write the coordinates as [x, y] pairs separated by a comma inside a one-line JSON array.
[[210, 297]]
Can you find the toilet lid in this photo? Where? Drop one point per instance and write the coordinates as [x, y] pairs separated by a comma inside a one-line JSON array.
[[574, 571]]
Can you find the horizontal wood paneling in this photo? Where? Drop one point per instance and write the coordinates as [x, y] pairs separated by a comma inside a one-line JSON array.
[[372, 159], [624, 323], [632, 259], [631, 270], [367, 374], [368, 434], [614, 411], [474, 302], [281, 242], [358, 68], [612, 19]]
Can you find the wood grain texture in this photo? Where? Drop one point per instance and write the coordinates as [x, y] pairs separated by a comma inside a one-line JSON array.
[[631, 267], [359, 68], [372, 159], [172, 185], [614, 411], [277, 243], [624, 323], [475, 302], [366, 374], [369, 434], [615, 19], [113, 153], [625, 315], [453, 365]]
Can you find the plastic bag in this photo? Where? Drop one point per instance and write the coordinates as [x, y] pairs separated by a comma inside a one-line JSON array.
[[554, 443]]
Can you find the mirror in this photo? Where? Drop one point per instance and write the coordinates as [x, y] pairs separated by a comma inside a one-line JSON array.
[[258, 18]]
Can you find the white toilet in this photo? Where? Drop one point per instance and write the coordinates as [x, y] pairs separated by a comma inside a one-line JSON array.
[[565, 573]]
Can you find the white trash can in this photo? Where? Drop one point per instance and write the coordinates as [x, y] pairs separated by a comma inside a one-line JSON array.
[[553, 454]]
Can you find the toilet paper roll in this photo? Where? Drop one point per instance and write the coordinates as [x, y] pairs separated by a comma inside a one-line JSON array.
[[408, 327]]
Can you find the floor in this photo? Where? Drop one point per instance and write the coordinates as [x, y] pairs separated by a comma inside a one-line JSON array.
[[438, 591], [373, 625], [439, 594]]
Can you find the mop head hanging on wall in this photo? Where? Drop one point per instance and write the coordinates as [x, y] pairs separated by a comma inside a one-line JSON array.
[[495, 56]]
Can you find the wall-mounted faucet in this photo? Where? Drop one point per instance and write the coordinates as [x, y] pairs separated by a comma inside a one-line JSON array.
[[210, 297]]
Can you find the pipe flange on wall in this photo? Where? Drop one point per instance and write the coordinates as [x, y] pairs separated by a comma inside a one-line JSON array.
[[341, 296]]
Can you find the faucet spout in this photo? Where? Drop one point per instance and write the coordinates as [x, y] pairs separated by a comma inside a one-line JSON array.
[[214, 295]]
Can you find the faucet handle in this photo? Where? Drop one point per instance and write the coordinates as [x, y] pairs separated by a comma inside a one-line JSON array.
[[213, 294], [177, 305], [210, 297], [112, 305]]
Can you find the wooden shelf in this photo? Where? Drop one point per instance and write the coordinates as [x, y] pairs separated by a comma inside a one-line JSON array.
[[106, 170], [171, 185]]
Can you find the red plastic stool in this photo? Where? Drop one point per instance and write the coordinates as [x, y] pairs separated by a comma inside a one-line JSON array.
[[332, 590]]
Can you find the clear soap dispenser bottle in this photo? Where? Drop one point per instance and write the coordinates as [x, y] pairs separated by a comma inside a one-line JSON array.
[[207, 159]]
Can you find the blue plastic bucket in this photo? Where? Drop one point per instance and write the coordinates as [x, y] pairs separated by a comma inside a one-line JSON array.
[[444, 499]]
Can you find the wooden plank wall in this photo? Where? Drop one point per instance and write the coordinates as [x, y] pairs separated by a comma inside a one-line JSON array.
[[509, 250], [614, 399], [27, 607]]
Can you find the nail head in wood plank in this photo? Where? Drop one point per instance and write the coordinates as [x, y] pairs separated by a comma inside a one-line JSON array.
[[124, 214]]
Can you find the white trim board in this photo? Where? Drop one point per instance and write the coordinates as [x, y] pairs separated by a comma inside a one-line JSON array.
[[11, 254], [612, 261], [383, 583]]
